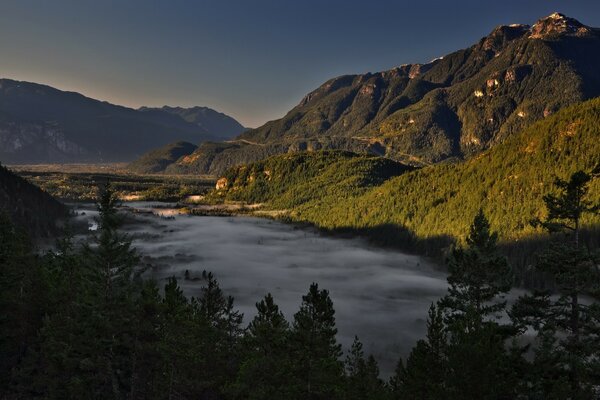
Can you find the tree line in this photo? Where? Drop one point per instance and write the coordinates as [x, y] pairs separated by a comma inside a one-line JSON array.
[[81, 322]]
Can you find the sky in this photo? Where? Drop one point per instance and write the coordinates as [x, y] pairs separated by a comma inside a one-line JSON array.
[[251, 59]]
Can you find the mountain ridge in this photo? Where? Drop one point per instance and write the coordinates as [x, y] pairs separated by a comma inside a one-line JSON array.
[[39, 123], [434, 203], [451, 108]]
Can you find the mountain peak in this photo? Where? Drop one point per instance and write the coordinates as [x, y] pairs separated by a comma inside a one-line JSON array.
[[557, 24], [503, 34]]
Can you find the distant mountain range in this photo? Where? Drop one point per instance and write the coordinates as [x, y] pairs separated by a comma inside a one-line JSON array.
[[449, 109], [41, 124]]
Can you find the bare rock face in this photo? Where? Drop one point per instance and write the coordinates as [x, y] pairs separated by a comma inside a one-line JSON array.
[[557, 24], [221, 184], [28, 140], [517, 73]]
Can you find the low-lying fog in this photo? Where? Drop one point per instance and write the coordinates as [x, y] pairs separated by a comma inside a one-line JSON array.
[[380, 295]]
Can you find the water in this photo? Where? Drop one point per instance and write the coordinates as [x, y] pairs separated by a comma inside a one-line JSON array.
[[380, 295]]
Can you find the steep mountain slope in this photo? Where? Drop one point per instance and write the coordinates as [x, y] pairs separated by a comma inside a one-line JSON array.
[[221, 126], [451, 108], [28, 206], [41, 124], [157, 160], [438, 201]]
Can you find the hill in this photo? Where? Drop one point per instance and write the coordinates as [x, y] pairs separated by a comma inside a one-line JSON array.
[[451, 108], [435, 203], [41, 124], [28, 206], [157, 160]]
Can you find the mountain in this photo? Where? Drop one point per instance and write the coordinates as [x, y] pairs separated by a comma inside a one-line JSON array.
[[433, 203], [157, 160], [449, 109], [219, 124], [40, 124], [28, 206]]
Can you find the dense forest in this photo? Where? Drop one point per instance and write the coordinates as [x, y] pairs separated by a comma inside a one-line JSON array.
[[82, 322], [431, 206]]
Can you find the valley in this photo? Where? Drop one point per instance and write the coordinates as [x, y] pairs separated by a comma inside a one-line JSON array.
[[380, 295], [428, 231], [79, 182]]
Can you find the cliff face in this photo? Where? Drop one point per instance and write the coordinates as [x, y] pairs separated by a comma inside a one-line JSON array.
[[452, 107]]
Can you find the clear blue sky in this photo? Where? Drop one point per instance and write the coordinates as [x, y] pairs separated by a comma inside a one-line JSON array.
[[253, 59]]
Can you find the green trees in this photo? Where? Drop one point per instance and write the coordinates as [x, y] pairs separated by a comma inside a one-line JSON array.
[[434, 204], [22, 300], [263, 368], [80, 322], [425, 374], [316, 369], [362, 381], [478, 278], [85, 341], [465, 355], [567, 324]]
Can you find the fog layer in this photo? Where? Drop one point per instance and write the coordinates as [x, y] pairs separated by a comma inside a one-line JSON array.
[[380, 295]]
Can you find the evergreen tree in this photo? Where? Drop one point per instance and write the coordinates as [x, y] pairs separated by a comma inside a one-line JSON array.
[[147, 357], [221, 330], [112, 257], [86, 343], [477, 357], [316, 370], [181, 346], [263, 373], [396, 381], [568, 328], [22, 299], [425, 374], [362, 375], [114, 261], [479, 276]]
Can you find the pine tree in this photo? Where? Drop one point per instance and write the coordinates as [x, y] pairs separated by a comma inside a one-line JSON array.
[[479, 276], [477, 355], [112, 257], [220, 325], [86, 342], [22, 299], [396, 381], [362, 375], [425, 374], [316, 370], [568, 329], [263, 373], [179, 348], [114, 260], [147, 359]]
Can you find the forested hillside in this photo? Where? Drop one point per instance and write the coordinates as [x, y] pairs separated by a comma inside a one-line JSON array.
[[27, 206], [159, 159], [434, 202]]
